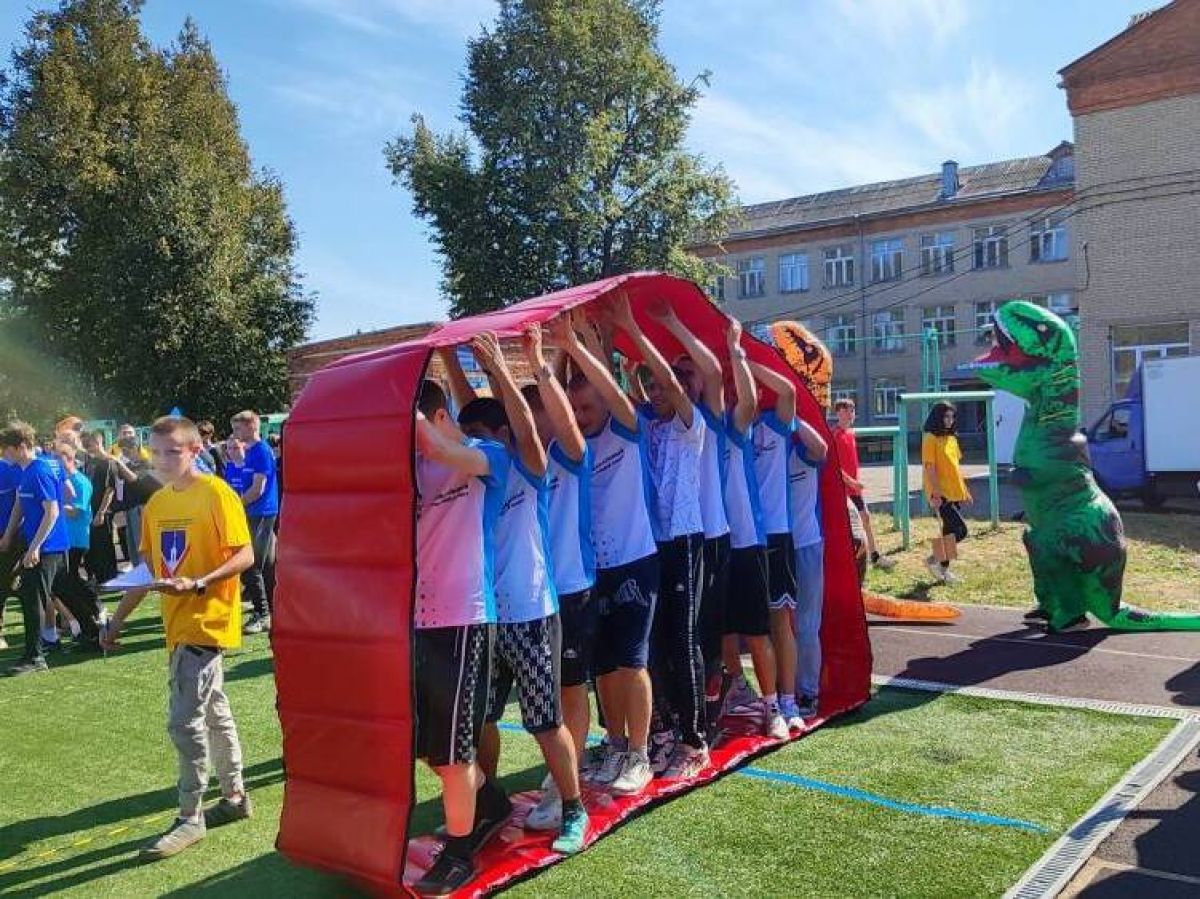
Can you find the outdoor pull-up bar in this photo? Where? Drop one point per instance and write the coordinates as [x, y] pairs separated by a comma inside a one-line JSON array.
[[901, 449]]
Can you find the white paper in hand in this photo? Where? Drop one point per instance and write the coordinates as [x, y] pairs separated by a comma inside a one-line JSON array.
[[134, 579]]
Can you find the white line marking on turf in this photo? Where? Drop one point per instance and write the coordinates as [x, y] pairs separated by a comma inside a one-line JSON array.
[[1041, 644]]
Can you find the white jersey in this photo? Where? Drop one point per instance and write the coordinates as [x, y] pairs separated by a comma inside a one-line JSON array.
[[524, 576], [771, 447], [621, 530], [712, 477], [741, 490], [570, 487], [456, 526], [804, 497], [674, 450]]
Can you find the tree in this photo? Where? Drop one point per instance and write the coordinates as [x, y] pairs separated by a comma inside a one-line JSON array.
[[138, 247], [573, 168]]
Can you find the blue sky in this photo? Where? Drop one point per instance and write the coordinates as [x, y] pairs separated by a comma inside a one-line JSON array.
[[806, 95]]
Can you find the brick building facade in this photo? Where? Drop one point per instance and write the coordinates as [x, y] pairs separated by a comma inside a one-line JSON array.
[[1135, 102]]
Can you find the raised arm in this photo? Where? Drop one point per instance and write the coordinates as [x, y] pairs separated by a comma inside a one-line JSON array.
[[815, 447], [702, 357], [743, 381], [597, 374], [635, 389], [460, 387], [785, 392], [434, 445], [520, 418], [554, 398], [623, 318]]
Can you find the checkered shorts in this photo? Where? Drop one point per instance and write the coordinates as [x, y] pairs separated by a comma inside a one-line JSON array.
[[528, 652]]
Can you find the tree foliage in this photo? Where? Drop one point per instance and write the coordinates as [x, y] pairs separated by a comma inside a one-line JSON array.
[[139, 250], [573, 167]]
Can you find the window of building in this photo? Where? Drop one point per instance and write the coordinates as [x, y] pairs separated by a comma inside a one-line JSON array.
[[841, 335], [886, 259], [793, 272], [991, 247], [844, 390], [937, 253], [1048, 240], [886, 395], [887, 328], [941, 319], [839, 266], [716, 288], [1134, 344], [752, 277], [983, 320]]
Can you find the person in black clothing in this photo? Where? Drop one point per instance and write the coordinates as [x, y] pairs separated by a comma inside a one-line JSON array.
[[101, 558], [210, 452]]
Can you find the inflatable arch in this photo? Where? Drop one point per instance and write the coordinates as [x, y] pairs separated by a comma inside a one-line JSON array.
[[346, 572]]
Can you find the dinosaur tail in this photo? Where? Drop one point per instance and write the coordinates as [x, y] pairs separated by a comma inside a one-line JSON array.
[[1131, 618]]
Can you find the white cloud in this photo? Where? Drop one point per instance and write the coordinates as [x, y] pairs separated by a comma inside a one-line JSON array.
[[356, 102], [385, 17], [903, 23]]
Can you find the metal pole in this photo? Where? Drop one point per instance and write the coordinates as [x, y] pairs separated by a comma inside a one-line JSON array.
[[993, 478], [902, 447]]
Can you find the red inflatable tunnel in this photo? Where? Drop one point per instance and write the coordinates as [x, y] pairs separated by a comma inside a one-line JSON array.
[[346, 572]]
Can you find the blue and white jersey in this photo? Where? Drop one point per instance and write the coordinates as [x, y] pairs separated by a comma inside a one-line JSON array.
[[621, 530], [570, 487], [772, 442], [10, 479], [674, 452], [524, 576], [457, 514], [712, 477], [804, 497], [741, 489]]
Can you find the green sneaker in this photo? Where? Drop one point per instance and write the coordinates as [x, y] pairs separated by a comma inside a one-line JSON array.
[[181, 835], [574, 829], [226, 812]]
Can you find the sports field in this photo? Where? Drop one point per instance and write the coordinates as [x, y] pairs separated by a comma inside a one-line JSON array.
[[915, 795]]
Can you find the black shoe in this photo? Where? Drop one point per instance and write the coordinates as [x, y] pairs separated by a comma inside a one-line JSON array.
[[491, 812], [448, 874], [27, 666], [1038, 614], [1075, 624]]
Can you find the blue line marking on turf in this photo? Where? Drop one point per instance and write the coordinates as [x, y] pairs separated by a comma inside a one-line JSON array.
[[912, 808]]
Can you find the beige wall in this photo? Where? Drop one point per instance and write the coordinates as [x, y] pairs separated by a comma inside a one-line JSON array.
[[1141, 241], [961, 290]]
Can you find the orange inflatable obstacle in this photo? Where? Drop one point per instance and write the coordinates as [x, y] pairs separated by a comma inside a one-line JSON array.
[[908, 609]]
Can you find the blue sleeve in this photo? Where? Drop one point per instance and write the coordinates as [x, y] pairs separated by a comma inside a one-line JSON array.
[[772, 421], [534, 480], [498, 459], [802, 455], [559, 455], [259, 460], [633, 436], [45, 485]]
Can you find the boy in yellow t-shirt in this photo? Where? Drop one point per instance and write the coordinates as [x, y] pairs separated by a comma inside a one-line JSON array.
[[945, 487], [196, 541]]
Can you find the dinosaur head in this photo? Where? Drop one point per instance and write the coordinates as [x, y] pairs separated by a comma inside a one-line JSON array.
[[1032, 348], [807, 356]]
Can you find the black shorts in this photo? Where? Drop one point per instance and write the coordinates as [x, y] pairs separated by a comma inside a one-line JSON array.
[[781, 569], [527, 652], [452, 665], [626, 597], [578, 612], [858, 501], [952, 521], [748, 612], [714, 599]]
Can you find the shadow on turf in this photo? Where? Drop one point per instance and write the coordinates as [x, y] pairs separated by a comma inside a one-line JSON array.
[[60, 828]]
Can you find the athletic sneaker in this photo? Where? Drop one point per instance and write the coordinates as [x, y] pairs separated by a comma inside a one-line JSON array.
[[635, 774], [1075, 624], [610, 769], [26, 666], [686, 762], [492, 809], [226, 811], [1038, 614], [593, 758], [807, 706], [448, 874], [662, 746], [791, 714], [574, 830], [740, 693], [950, 577], [548, 813], [181, 835], [775, 727], [934, 567], [257, 624], [883, 563]]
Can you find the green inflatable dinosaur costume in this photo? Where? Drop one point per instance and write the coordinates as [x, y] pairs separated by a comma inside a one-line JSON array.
[[1075, 540]]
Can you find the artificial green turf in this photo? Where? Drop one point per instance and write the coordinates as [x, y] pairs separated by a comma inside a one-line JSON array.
[[87, 772]]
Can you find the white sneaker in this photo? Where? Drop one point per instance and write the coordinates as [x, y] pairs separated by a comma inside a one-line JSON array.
[[686, 762], [635, 774], [740, 693], [950, 577], [777, 728], [547, 814], [593, 757], [935, 569], [661, 749], [611, 768]]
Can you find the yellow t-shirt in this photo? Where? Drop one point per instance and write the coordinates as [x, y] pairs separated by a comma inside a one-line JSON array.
[[943, 454], [190, 533]]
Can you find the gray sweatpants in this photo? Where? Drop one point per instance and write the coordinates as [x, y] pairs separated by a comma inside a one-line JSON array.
[[806, 622], [201, 726]]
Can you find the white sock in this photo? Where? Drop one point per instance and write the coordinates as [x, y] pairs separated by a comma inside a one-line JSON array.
[[771, 701], [74, 628], [50, 634]]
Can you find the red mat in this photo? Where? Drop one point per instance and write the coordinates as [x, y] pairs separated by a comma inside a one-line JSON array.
[[516, 853]]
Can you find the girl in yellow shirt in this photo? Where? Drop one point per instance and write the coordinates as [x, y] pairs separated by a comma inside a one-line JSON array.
[[944, 487]]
